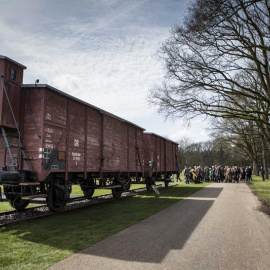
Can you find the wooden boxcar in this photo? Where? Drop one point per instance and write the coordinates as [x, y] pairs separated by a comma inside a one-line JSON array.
[[160, 158], [51, 140]]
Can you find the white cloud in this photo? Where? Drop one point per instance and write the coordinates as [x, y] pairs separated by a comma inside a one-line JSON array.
[[194, 134], [104, 53]]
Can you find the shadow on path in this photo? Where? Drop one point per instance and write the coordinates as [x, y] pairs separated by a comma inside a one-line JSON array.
[[209, 192], [151, 239]]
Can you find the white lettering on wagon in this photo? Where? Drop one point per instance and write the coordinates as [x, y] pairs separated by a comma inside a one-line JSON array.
[[48, 142], [48, 116], [49, 130], [76, 142], [76, 157], [49, 145]]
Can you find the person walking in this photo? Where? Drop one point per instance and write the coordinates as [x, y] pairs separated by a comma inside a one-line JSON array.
[[262, 171], [243, 174], [248, 174], [186, 174], [206, 174], [228, 177]]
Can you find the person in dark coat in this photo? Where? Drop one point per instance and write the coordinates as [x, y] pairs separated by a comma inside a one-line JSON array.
[[218, 174], [243, 174], [248, 173], [206, 175]]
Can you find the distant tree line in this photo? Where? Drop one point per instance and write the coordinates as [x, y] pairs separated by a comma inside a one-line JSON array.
[[235, 142], [209, 153]]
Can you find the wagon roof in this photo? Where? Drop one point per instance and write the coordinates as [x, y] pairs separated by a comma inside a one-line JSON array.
[[150, 133], [79, 100], [12, 61]]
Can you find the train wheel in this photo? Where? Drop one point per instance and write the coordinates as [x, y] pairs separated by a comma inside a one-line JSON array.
[[87, 188], [16, 202], [56, 199], [117, 192], [88, 192]]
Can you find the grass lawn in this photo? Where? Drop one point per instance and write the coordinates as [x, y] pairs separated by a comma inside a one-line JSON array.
[[5, 206], [262, 190], [40, 243]]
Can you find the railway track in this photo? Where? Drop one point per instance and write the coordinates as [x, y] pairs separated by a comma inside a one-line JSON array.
[[12, 217]]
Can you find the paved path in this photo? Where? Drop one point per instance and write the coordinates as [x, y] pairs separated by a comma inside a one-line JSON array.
[[218, 227]]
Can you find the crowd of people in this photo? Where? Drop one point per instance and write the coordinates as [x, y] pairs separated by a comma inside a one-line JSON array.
[[218, 174]]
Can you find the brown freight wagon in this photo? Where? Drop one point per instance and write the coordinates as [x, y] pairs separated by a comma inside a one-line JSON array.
[[160, 158], [51, 140]]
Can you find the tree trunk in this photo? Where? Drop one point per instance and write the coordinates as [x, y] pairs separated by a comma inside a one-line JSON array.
[[264, 157], [255, 168]]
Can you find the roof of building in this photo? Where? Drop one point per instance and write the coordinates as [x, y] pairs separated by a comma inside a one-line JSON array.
[[150, 133], [12, 61]]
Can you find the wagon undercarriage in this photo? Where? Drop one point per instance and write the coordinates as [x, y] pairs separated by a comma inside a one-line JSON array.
[[57, 191]]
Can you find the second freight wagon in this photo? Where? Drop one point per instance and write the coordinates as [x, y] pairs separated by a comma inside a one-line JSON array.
[[160, 158]]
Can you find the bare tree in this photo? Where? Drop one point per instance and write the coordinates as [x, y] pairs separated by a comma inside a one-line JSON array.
[[217, 63], [244, 135], [214, 152], [182, 146]]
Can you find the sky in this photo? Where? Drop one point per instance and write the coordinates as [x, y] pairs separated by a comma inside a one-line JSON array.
[[103, 52]]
